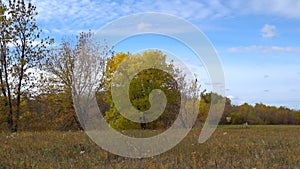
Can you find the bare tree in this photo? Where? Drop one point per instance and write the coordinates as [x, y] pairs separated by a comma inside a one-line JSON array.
[[86, 59]]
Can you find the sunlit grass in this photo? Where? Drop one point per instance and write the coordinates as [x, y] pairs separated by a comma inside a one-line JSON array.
[[229, 147]]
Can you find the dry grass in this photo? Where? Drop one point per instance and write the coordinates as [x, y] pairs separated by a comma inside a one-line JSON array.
[[229, 147]]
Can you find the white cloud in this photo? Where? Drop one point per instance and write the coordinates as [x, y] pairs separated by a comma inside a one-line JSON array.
[[18, 43], [46, 31], [264, 49], [144, 26], [193, 9], [283, 8], [231, 97], [70, 14], [155, 23], [268, 31], [286, 8]]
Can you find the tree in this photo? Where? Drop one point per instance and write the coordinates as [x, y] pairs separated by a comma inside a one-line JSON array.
[[61, 65], [23, 55], [5, 88], [170, 81], [297, 117]]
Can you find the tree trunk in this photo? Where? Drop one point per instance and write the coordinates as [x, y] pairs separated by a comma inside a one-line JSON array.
[[9, 101], [19, 95], [22, 62]]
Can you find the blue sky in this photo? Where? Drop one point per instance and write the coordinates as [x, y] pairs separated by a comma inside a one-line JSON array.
[[257, 40]]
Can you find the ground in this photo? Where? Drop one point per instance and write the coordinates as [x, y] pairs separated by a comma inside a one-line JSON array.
[[229, 147]]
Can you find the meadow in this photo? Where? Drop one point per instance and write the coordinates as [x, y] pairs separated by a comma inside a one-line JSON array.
[[230, 147]]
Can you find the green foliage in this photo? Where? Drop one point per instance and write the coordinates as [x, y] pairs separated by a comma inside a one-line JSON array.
[[141, 86], [118, 121]]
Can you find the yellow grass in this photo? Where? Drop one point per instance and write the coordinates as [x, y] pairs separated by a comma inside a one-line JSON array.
[[229, 147]]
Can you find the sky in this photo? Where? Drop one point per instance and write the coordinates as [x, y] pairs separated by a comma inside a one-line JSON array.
[[258, 41]]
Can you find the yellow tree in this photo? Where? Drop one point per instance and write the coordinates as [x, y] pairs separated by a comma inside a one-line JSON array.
[[141, 86]]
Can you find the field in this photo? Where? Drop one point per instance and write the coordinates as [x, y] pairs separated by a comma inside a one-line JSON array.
[[229, 147]]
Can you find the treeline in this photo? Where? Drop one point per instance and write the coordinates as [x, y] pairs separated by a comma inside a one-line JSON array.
[[54, 111], [37, 81], [260, 114]]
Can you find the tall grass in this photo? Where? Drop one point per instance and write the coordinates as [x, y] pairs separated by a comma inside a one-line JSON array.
[[229, 147]]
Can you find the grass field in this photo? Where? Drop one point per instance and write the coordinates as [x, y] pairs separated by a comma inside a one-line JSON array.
[[229, 147]]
